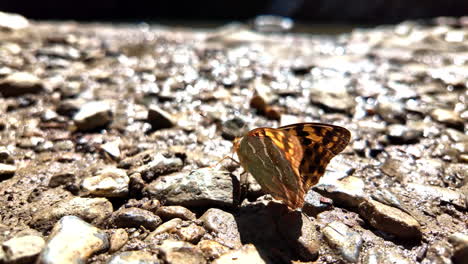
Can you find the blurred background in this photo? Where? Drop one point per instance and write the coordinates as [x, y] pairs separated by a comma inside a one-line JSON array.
[[306, 11]]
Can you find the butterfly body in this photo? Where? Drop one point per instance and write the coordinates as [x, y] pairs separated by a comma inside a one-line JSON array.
[[287, 161]]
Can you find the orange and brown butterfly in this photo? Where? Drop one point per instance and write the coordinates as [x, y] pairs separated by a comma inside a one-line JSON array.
[[289, 160]]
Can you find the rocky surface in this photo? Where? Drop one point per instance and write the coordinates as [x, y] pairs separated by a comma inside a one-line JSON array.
[[110, 138]]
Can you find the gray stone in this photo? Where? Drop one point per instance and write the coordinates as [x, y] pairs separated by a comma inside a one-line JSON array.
[[223, 226], [175, 252], [159, 118], [20, 83], [315, 203], [175, 211], [438, 193], [390, 219], [22, 249], [11, 22], [92, 210], [344, 239], [134, 257], [305, 239], [72, 240], [109, 182], [202, 187], [447, 117], [93, 115], [348, 191], [246, 254], [135, 217]]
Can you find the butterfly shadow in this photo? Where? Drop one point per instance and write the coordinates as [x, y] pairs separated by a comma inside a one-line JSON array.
[[273, 229]]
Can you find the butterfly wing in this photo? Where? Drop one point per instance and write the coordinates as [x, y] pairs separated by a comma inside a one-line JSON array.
[[273, 158], [320, 143]]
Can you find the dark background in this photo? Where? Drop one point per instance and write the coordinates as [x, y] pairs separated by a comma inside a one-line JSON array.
[[322, 11]]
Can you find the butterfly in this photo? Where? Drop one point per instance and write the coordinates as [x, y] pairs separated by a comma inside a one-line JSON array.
[[289, 160]]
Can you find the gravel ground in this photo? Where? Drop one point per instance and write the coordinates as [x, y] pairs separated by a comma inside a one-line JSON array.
[[110, 136]]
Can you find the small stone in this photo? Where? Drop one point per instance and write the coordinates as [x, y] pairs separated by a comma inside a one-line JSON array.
[[7, 170], [159, 165], [223, 225], [109, 182], [118, 239], [315, 203], [447, 117], [233, 128], [112, 149], [151, 205], [305, 238], [166, 227], [23, 249], [390, 220], [202, 187], [174, 252], [92, 210], [93, 115], [134, 257], [20, 83], [5, 156], [438, 193], [344, 239], [62, 179], [400, 134], [175, 211], [212, 249], [348, 191], [11, 22], [191, 233], [72, 240], [247, 254], [459, 242], [159, 119], [135, 217], [385, 256]]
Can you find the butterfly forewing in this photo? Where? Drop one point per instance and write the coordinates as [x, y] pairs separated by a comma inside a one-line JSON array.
[[273, 158]]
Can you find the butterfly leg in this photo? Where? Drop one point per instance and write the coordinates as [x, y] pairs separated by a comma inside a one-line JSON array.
[[243, 187]]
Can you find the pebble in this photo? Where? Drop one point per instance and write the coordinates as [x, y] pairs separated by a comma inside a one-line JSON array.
[[447, 117], [135, 217], [118, 238], [203, 187], [438, 193], [93, 115], [175, 211], [315, 203], [166, 227], [175, 252], [159, 119], [92, 210], [7, 170], [246, 254], [134, 257], [384, 256], [22, 249], [112, 149], [191, 233], [20, 83], [223, 226], [459, 242], [300, 233], [159, 165], [348, 191], [212, 249], [400, 134], [72, 240], [11, 22], [109, 182], [347, 241], [390, 220]]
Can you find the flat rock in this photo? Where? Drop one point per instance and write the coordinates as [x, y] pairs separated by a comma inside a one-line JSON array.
[[344, 239], [223, 226], [166, 227], [134, 257], [447, 117], [135, 217], [202, 187], [175, 211], [93, 115], [400, 134], [438, 193], [246, 254], [301, 234], [72, 240], [20, 83], [7, 170], [390, 219], [348, 191], [92, 210], [175, 252], [109, 182], [11, 22], [22, 249]]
